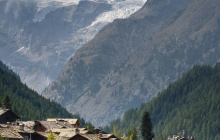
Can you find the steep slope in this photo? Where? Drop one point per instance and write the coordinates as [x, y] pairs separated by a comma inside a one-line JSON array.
[[131, 60], [26, 102], [191, 103], [37, 37]]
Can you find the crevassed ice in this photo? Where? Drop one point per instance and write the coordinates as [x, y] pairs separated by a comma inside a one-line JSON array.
[[121, 8], [46, 6]]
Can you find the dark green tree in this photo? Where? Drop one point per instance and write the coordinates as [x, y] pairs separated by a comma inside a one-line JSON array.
[[24, 101], [90, 127], [146, 126], [6, 102], [82, 122], [191, 103]]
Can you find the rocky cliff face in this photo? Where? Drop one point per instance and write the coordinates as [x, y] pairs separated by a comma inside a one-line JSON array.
[[131, 60], [38, 37]]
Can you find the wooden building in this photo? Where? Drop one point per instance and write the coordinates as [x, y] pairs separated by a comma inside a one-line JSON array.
[[6, 115], [28, 133]]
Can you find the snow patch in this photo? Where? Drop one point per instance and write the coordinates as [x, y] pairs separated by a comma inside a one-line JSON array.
[[23, 50], [46, 6], [122, 8]]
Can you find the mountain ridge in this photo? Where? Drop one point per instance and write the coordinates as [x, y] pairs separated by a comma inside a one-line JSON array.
[[38, 37], [133, 59], [188, 104]]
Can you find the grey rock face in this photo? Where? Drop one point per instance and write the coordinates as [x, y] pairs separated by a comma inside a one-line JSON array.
[[38, 37], [131, 60]]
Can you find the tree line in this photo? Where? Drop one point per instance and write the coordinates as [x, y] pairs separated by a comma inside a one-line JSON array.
[[191, 103], [27, 103]]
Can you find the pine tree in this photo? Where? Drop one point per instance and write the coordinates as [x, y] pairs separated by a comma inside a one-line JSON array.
[[82, 122], [132, 134], [116, 131], [89, 127], [6, 102], [146, 126]]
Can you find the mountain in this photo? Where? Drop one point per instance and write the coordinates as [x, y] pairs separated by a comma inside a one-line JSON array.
[[28, 104], [191, 103], [130, 60], [37, 37]]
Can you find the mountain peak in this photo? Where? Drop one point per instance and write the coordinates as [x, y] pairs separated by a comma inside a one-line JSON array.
[[130, 60], [35, 34]]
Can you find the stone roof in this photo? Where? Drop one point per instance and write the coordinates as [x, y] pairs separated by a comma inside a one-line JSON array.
[[71, 121], [10, 133], [69, 132], [69, 129], [57, 137], [91, 136], [17, 126], [2, 111], [106, 136], [49, 125], [97, 137]]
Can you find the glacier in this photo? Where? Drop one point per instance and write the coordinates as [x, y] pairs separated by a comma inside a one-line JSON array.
[[36, 55]]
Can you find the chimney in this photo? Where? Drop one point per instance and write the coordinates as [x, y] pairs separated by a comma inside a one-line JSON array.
[[21, 126], [8, 124]]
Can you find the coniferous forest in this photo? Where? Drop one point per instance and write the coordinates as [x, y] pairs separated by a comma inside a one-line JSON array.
[[190, 104], [25, 102]]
